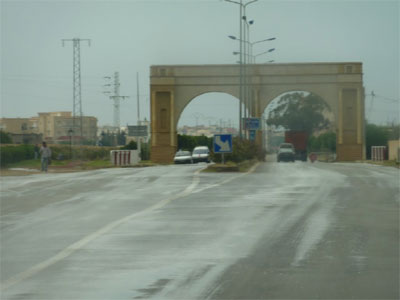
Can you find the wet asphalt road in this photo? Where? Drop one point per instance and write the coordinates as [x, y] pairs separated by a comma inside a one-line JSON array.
[[285, 231]]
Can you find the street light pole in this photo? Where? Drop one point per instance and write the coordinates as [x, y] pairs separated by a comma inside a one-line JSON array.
[[70, 131], [241, 64], [242, 60]]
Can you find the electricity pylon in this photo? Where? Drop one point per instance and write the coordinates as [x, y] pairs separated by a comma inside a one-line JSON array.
[[77, 115], [116, 98]]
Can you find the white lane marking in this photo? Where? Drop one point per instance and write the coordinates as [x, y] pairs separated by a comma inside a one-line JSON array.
[[87, 239]]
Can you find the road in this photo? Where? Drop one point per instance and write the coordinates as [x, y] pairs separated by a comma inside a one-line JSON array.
[[284, 231]]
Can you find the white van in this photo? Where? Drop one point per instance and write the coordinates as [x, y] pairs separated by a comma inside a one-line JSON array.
[[201, 153]]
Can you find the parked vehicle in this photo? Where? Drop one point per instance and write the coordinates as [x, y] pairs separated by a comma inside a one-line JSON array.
[[299, 140], [201, 153], [183, 157], [286, 152]]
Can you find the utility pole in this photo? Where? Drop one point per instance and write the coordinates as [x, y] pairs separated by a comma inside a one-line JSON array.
[[116, 98], [138, 114], [77, 115], [371, 105]]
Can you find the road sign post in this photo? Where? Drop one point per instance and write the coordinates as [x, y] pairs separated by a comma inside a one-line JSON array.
[[222, 143], [252, 123], [137, 130], [252, 135]]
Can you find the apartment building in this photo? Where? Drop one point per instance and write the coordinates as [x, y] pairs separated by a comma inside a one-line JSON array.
[[19, 125], [54, 127]]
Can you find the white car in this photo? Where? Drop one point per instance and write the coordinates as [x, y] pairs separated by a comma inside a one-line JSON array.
[[201, 153], [286, 152], [183, 157]]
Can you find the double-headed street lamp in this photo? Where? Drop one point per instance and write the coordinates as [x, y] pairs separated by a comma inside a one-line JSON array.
[[242, 12], [265, 52], [251, 44], [249, 57], [252, 58]]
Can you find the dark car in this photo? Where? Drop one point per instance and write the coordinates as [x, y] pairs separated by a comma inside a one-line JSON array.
[[183, 157], [286, 152]]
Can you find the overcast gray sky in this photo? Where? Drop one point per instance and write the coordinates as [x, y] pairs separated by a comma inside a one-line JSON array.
[[130, 36]]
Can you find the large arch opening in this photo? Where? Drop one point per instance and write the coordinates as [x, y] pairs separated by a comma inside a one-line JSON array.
[[304, 119], [205, 115], [210, 113]]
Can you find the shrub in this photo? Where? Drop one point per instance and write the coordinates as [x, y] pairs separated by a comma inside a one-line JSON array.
[[242, 150], [132, 145], [145, 151]]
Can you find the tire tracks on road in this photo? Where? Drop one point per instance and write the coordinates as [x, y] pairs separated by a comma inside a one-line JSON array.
[[66, 252]]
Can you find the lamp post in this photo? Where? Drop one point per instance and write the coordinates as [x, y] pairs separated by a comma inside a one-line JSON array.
[[242, 10], [247, 60], [70, 131]]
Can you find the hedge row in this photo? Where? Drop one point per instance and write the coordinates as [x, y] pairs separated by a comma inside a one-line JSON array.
[[80, 152], [15, 153], [11, 154]]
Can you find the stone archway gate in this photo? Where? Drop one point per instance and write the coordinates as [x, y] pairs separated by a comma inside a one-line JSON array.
[[172, 87]]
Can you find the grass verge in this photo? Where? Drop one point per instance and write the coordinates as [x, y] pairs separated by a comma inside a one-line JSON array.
[[32, 166], [386, 163], [231, 167]]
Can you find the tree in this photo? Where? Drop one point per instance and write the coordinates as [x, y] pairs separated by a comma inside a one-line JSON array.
[[323, 142], [121, 138], [300, 111], [5, 138], [189, 142], [107, 139], [375, 136]]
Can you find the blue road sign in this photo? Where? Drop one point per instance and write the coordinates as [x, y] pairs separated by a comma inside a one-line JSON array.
[[251, 123], [252, 135], [222, 143]]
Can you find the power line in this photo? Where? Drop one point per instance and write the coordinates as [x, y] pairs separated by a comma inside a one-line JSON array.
[[372, 94]]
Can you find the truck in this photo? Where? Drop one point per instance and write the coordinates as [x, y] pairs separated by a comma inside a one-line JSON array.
[[299, 140]]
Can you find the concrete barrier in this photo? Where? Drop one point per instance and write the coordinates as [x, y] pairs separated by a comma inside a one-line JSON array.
[[124, 157], [325, 156], [378, 153]]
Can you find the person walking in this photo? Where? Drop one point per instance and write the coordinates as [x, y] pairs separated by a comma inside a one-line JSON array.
[[46, 156]]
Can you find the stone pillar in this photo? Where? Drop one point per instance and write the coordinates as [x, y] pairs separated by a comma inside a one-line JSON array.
[[163, 135], [350, 140]]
